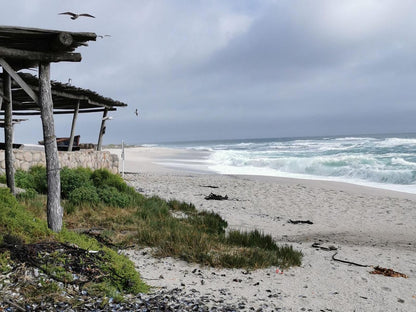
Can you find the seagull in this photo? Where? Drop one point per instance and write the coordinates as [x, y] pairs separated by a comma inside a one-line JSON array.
[[137, 112], [75, 16], [102, 36]]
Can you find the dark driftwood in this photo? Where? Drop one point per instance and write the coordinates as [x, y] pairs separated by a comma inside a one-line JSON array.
[[300, 221], [210, 186], [39, 56], [213, 196], [348, 262], [8, 131], [54, 209]]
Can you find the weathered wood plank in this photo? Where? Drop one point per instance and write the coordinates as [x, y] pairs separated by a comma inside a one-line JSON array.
[[8, 131], [19, 80], [59, 112], [54, 209], [39, 56]]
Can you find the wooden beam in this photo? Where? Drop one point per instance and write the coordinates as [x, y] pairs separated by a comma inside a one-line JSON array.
[[102, 130], [54, 209], [8, 131], [92, 110], [39, 56], [19, 80], [74, 120]]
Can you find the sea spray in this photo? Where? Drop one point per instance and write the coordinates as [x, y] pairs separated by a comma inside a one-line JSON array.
[[381, 161]]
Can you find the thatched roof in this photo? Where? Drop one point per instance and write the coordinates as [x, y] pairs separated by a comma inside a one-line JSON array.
[[64, 95]]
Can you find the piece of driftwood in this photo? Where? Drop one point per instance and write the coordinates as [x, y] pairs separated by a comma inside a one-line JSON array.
[[213, 196], [300, 221], [387, 272], [348, 262], [327, 248], [210, 186]]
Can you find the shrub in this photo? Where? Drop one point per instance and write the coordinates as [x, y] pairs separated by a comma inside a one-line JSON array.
[[15, 219], [111, 196], [84, 194], [102, 178], [29, 193], [72, 179], [39, 179], [153, 208], [24, 179]]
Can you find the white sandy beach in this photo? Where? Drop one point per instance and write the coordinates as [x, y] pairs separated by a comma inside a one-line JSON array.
[[366, 226]]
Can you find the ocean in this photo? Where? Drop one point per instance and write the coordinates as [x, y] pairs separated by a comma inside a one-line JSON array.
[[382, 161]]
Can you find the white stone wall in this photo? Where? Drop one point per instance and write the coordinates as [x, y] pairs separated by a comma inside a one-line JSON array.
[[24, 159]]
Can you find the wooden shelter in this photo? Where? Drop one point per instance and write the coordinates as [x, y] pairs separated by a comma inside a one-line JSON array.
[[23, 94]]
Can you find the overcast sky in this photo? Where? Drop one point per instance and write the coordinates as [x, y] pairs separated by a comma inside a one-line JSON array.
[[220, 69]]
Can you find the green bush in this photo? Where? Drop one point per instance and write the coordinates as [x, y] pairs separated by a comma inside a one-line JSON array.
[[3, 179], [84, 194], [40, 179], [72, 179], [15, 219], [24, 179], [29, 193], [111, 196], [102, 178]]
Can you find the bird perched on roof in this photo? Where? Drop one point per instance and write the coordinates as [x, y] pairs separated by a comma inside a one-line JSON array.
[[74, 16]]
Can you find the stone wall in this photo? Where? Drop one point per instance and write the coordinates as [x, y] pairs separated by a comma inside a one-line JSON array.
[[24, 159]]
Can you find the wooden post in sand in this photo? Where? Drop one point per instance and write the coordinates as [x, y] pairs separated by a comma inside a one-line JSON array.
[[8, 131], [54, 209]]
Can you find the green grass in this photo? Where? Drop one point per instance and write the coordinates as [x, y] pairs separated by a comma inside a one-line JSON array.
[[103, 200], [19, 227]]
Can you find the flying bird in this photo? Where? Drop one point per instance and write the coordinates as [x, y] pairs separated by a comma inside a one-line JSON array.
[[102, 36], [136, 112], [74, 16]]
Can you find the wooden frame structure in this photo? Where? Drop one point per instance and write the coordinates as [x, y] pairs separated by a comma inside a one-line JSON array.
[[23, 94]]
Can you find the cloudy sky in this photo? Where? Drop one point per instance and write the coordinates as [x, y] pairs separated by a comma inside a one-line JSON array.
[[220, 69]]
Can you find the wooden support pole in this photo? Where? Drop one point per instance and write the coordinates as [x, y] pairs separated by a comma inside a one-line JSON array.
[[74, 121], [8, 131], [54, 209], [102, 130]]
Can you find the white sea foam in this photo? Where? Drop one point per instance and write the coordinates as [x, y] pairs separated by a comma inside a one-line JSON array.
[[384, 162]]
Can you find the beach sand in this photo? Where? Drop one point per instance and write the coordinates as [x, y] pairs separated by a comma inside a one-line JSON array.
[[362, 225]]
